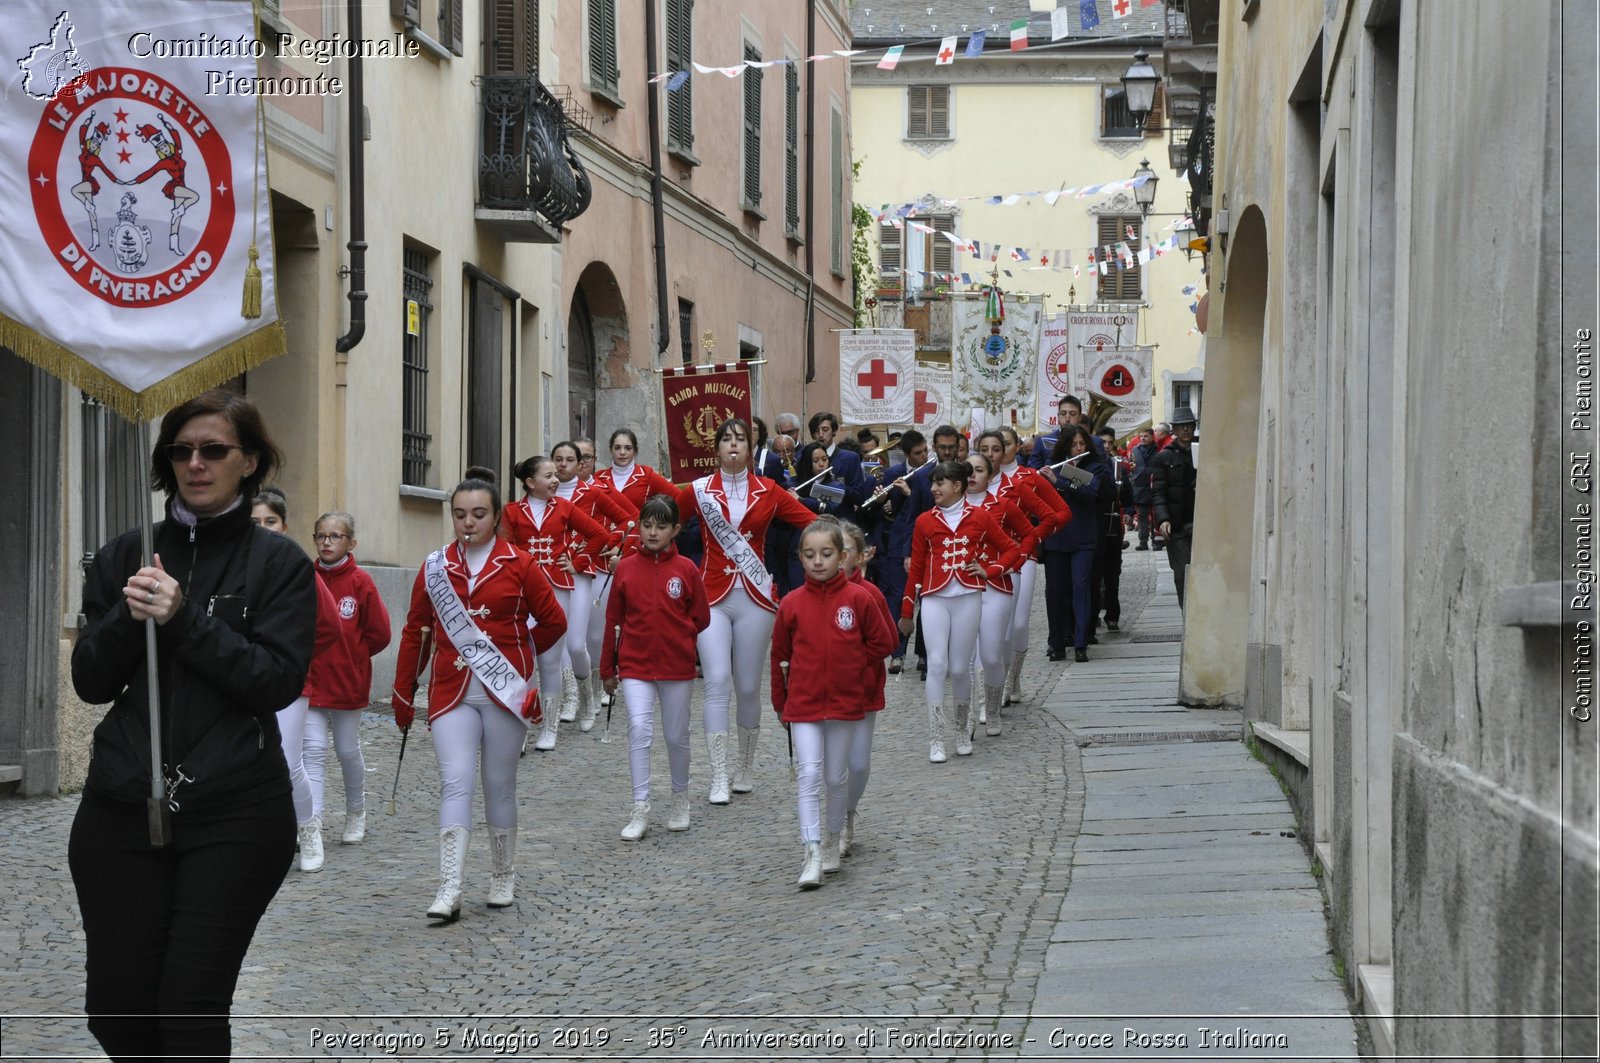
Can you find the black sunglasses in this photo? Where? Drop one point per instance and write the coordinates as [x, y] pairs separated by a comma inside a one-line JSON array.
[[180, 453]]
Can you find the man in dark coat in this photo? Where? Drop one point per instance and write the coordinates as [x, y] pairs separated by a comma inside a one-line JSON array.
[[1141, 456], [1172, 479]]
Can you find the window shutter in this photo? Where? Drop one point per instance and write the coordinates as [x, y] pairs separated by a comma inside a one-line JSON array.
[[603, 43], [451, 15], [889, 257], [512, 47], [752, 128], [407, 11], [916, 111], [791, 146], [836, 203], [1153, 120], [680, 53], [1119, 285], [942, 257], [939, 112]]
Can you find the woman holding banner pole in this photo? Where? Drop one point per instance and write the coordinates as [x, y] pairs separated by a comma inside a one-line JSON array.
[[735, 507]]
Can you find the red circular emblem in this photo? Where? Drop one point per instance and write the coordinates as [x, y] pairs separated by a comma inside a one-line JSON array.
[[1057, 371], [1117, 381], [143, 175]]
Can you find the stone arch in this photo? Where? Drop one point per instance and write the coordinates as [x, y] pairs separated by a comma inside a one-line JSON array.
[[597, 347]]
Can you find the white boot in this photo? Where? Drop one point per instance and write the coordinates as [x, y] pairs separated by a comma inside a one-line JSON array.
[[848, 836], [547, 731], [639, 823], [679, 820], [995, 696], [965, 726], [355, 826], [586, 703], [744, 773], [452, 854], [569, 697], [936, 734], [1014, 679], [502, 866], [811, 870], [310, 837], [717, 751], [830, 852]]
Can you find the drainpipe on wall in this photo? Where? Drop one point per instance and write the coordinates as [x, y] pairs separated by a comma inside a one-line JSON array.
[[663, 331], [358, 193], [811, 199]]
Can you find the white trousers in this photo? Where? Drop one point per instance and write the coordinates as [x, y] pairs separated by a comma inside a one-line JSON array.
[[949, 630], [291, 730], [994, 635], [552, 660], [578, 604], [641, 696], [821, 758], [733, 654], [1022, 604], [478, 730], [860, 757], [346, 726]]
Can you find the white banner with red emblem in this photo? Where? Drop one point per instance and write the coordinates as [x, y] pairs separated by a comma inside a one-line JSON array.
[[1121, 374], [877, 371], [1055, 372], [134, 194], [932, 396]]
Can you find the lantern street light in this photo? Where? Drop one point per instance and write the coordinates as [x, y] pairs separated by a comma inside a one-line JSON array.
[[1145, 194], [1139, 86]]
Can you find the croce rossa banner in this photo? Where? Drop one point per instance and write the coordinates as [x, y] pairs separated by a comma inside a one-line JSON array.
[[696, 400]]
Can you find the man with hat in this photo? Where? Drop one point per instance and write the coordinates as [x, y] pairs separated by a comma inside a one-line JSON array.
[[1172, 478]]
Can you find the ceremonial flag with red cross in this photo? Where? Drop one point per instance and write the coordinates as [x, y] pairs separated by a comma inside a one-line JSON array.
[[875, 375], [947, 52]]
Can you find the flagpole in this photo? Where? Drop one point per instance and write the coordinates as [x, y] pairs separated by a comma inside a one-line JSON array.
[[156, 808]]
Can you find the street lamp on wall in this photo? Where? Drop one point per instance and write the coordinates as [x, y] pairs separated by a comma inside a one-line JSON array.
[[1145, 194], [1139, 86]]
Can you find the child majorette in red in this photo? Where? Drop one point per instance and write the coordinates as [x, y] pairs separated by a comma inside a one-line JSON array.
[[735, 507], [828, 646], [1042, 504], [477, 593], [340, 681], [555, 534], [857, 554], [657, 609], [955, 547], [998, 594]]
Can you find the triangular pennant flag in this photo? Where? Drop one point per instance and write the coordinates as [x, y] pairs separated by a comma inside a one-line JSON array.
[[975, 44], [891, 57], [947, 52], [1019, 34]]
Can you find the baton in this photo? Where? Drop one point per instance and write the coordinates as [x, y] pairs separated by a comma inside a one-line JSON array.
[[611, 699], [405, 735], [601, 593], [783, 666]]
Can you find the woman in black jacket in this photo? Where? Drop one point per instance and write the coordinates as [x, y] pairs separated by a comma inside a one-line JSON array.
[[167, 927], [1069, 553]]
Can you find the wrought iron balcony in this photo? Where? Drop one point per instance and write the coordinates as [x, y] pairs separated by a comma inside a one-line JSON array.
[[530, 181]]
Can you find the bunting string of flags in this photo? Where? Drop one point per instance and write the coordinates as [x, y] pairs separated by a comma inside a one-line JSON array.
[[1051, 197]]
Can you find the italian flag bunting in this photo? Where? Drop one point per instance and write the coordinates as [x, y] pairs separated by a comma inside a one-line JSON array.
[[1019, 34]]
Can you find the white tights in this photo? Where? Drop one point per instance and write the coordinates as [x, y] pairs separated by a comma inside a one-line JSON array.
[[993, 644], [641, 695], [860, 756], [821, 756], [552, 660], [291, 729], [733, 654], [478, 725], [346, 724], [949, 629], [594, 631], [1022, 604], [577, 606]]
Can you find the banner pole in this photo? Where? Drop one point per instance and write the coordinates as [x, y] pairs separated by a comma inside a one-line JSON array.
[[156, 808]]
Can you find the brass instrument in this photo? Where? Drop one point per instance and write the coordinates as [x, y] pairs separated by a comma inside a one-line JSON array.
[[1101, 409]]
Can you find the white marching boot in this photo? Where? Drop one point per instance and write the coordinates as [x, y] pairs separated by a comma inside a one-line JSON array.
[[547, 731], [848, 836], [679, 819], [1013, 695], [936, 734], [452, 855], [569, 696], [310, 838], [502, 866], [965, 726], [355, 827], [639, 823], [995, 696], [744, 773], [830, 852], [586, 704], [717, 751], [811, 870]]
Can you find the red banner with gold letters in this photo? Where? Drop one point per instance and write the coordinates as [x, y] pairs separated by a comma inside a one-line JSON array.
[[697, 399]]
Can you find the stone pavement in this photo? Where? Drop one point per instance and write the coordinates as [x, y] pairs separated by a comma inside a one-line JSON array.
[[952, 920]]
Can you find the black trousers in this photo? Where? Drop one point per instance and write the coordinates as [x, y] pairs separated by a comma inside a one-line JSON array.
[[1109, 580], [167, 929], [892, 582], [1066, 597], [1179, 547], [1144, 516]]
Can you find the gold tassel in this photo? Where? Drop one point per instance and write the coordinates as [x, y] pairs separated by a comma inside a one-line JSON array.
[[252, 286]]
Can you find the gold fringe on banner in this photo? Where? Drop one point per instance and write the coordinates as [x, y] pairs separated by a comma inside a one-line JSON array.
[[215, 368]]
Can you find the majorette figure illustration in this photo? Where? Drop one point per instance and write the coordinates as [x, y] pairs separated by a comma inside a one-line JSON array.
[[170, 162], [91, 138]]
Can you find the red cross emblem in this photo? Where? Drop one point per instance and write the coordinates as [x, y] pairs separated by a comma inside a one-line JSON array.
[[878, 379], [926, 407], [1121, 8], [947, 56]]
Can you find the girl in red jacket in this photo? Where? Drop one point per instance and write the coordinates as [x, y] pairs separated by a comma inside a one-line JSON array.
[[827, 641], [1043, 505], [857, 554], [340, 681], [657, 608], [475, 598], [954, 548], [556, 534], [999, 595]]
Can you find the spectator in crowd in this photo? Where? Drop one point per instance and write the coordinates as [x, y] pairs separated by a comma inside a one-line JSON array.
[[1172, 480]]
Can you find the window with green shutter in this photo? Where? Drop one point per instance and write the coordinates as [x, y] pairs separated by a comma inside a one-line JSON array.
[[680, 53], [927, 112], [791, 148], [836, 207], [752, 127], [604, 74]]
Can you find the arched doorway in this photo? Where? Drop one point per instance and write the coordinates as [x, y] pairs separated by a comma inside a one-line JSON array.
[[580, 369], [597, 337]]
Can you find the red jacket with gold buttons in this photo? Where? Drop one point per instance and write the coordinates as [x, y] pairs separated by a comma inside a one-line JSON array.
[[564, 528], [767, 501], [1037, 498], [940, 553]]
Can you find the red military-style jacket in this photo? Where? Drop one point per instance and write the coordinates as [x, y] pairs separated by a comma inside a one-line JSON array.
[[834, 637], [940, 553], [1018, 527], [644, 482], [1037, 498], [597, 500], [767, 501], [566, 529], [509, 590]]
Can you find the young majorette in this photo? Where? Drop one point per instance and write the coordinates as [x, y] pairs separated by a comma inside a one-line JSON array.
[[998, 594], [270, 509], [828, 646], [554, 533], [735, 507], [340, 681], [477, 594], [585, 618], [657, 609], [954, 548], [856, 556]]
